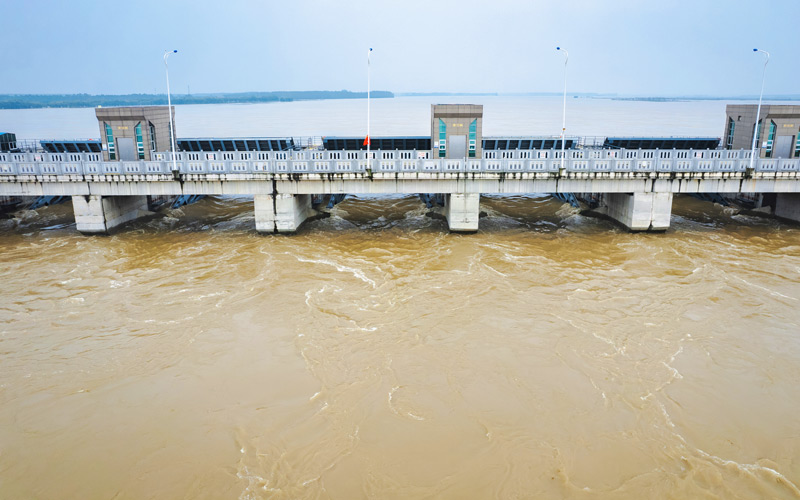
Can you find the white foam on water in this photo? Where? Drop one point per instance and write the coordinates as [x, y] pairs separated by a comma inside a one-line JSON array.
[[341, 268]]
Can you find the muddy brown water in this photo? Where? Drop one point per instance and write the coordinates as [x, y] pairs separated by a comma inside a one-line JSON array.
[[375, 355]]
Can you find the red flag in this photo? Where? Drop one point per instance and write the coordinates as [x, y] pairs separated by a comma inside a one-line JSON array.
[[366, 141]]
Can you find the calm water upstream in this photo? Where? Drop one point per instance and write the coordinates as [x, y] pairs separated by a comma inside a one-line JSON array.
[[375, 355]]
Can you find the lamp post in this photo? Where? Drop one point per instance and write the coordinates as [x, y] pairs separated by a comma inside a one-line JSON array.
[[369, 161], [564, 115], [756, 130], [169, 110]]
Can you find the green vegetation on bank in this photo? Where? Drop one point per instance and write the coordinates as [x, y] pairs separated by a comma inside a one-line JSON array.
[[26, 101]]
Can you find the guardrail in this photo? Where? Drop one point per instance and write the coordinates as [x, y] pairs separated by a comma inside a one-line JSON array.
[[328, 162], [301, 155]]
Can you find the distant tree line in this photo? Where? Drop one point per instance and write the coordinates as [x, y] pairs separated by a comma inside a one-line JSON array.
[[26, 101]]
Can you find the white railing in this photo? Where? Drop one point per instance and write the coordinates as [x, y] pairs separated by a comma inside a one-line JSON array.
[[71, 166], [613, 154]]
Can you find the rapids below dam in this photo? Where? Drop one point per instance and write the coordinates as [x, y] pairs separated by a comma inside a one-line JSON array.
[[375, 355]]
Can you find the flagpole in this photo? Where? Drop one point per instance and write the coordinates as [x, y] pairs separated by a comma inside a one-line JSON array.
[[369, 160]]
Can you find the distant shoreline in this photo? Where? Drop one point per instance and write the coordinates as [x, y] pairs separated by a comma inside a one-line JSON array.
[[38, 101], [44, 101]]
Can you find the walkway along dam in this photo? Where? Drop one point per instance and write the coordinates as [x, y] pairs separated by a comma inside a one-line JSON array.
[[632, 185]]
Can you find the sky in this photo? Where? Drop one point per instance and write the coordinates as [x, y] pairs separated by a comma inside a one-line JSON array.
[[625, 47]]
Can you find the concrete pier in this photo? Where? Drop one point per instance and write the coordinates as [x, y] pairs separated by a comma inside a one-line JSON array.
[[98, 214], [462, 211], [639, 211], [281, 213], [634, 187], [787, 206]]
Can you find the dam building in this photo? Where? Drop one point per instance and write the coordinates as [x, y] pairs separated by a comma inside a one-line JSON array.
[[630, 179], [776, 129], [134, 133]]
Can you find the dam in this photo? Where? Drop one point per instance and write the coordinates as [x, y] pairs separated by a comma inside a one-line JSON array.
[[630, 180]]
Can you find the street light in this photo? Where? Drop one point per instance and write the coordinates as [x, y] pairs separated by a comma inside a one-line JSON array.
[[369, 162], [169, 110], [564, 116], [758, 112]]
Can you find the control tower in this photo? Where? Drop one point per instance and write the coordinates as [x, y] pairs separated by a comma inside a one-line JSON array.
[[457, 130], [132, 133]]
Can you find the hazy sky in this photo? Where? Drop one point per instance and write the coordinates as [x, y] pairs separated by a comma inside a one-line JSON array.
[[638, 47]]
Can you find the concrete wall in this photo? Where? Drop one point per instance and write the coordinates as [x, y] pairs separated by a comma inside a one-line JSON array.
[[462, 211], [99, 214], [264, 206], [743, 116], [787, 206], [281, 213], [639, 211], [396, 183]]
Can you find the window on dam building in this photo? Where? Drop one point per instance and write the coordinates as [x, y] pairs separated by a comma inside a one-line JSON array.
[[758, 133], [770, 139], [139, 141], [473, 131], [152, 137], [729, 136], [442, 138], [797, 147], [112, 151]]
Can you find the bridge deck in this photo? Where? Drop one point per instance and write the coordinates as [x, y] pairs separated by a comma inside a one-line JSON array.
[[321, 171]]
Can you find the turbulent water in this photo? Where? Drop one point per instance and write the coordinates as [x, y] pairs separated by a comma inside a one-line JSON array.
[[375, 355]]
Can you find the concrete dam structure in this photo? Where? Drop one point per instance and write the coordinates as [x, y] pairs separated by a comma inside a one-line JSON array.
[[631, 181]]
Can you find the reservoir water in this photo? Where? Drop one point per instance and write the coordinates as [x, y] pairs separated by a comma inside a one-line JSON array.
[[376, 355]]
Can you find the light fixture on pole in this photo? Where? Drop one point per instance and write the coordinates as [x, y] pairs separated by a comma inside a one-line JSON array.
[[756, 130], [564, 115], [169, 110], [367, 141]]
